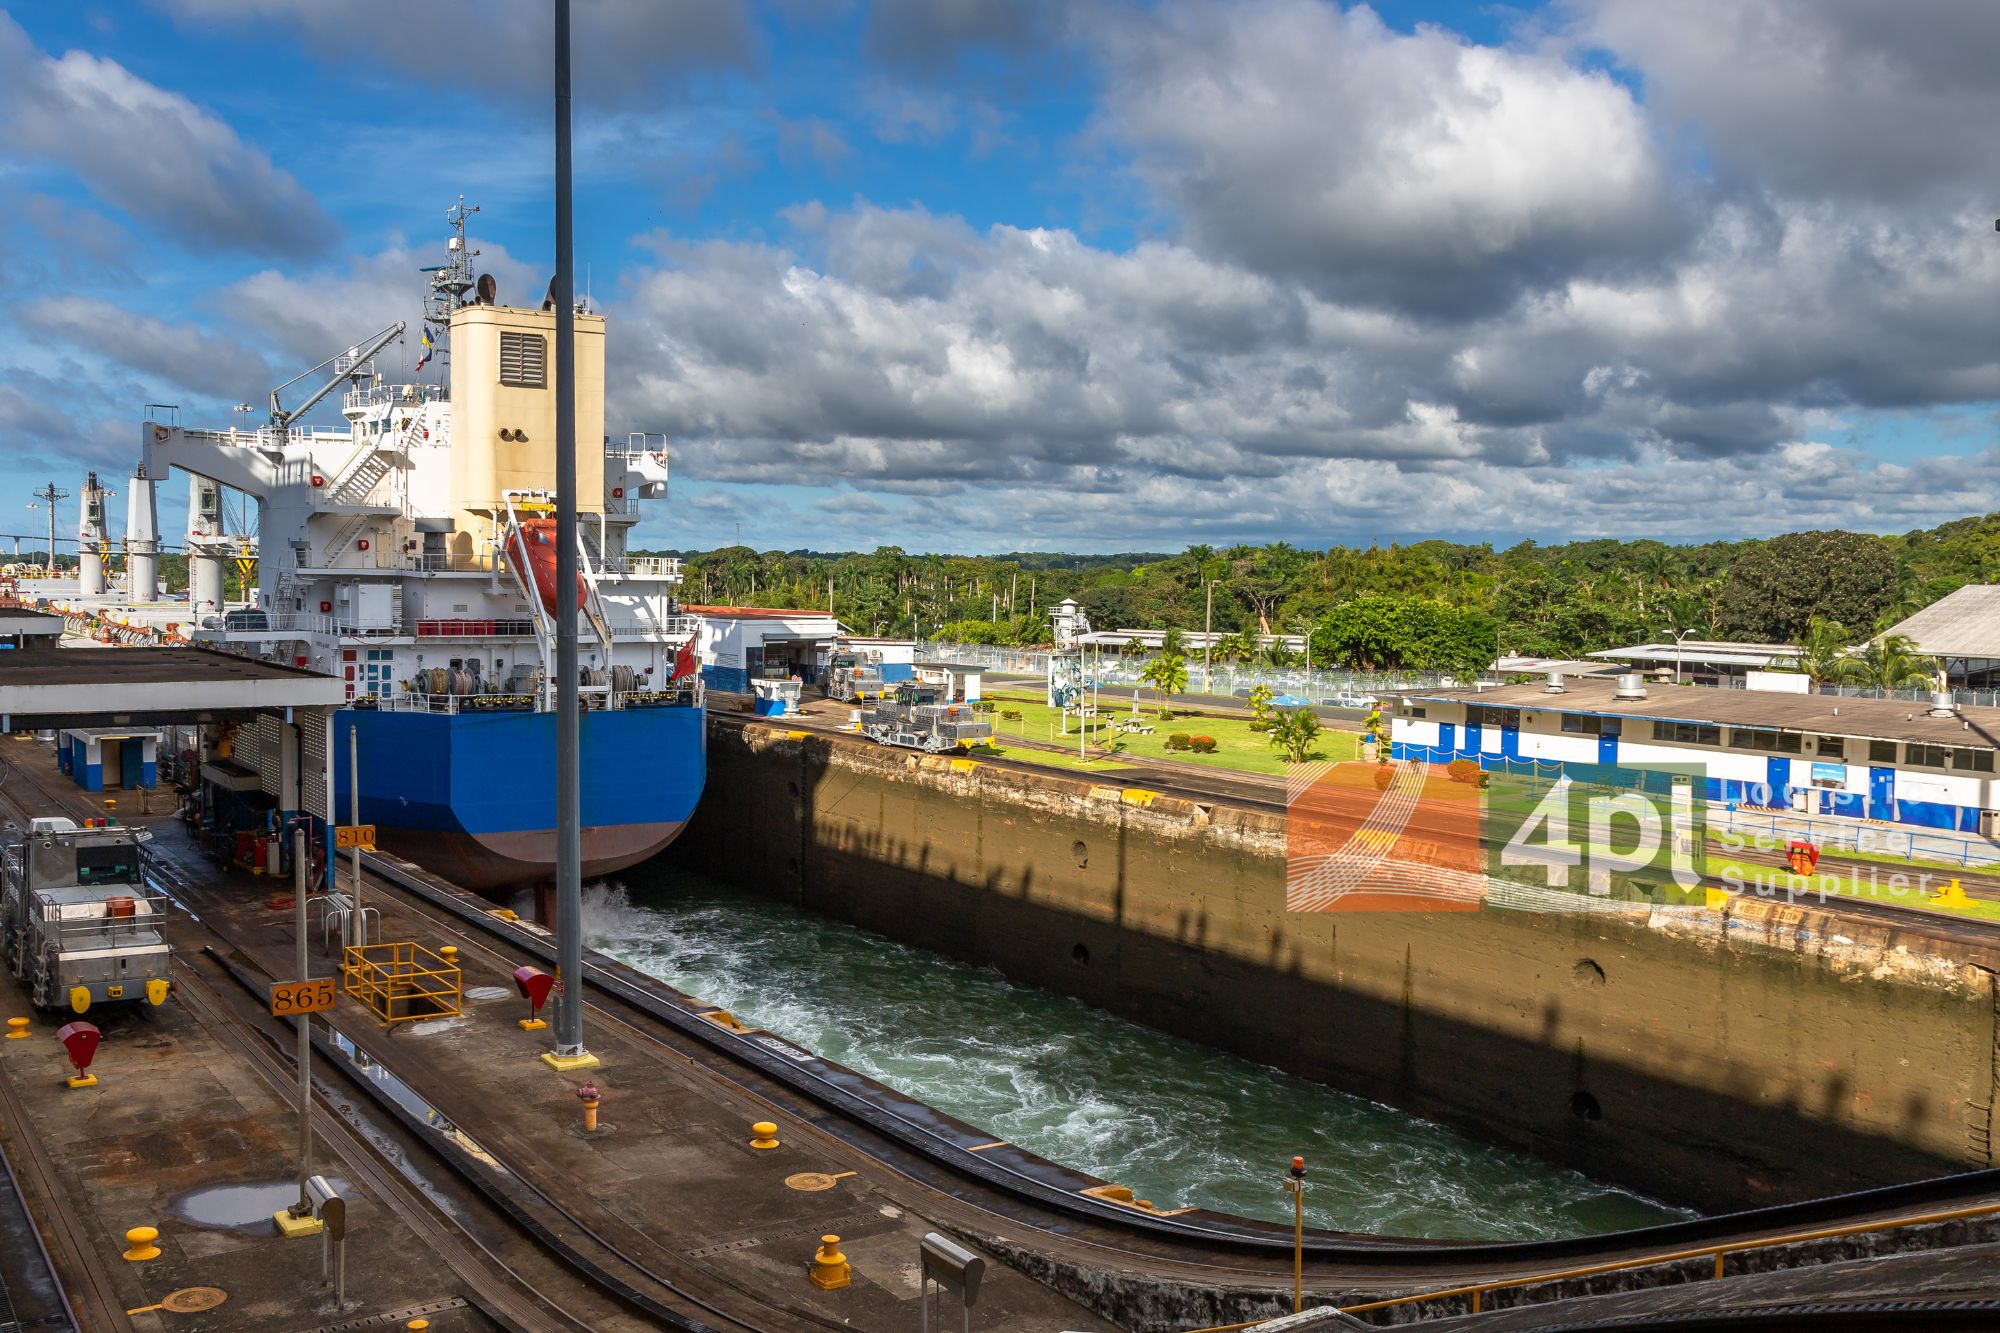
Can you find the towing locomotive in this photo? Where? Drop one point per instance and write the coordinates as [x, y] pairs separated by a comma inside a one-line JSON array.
[[922, 716], [77, 924]]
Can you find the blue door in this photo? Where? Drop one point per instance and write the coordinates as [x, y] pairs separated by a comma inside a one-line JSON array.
[[1778, 776], [1472, 733], [1447, 740], [1882, 793], [1510, 742], [1607, 749], [131, 756]]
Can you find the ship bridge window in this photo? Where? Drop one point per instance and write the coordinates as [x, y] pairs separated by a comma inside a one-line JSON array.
[[524, 360]]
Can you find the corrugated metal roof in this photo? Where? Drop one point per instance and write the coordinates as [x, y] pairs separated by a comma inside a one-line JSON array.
[[1819, 714], [1703, 650], [1964, 624]]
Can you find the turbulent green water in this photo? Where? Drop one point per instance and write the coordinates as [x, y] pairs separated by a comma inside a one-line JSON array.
[[1179, 1123]]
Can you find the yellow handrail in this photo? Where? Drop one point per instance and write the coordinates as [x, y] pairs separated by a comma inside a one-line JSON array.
[[1479, 1289]]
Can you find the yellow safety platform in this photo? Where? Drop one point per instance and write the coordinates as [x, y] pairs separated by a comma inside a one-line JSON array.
[[401, 981]]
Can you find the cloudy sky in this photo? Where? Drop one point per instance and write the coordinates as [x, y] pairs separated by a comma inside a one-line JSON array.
[[1096, 275]]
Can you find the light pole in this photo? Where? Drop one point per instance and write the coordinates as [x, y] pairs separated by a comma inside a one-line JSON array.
[[1208, 633], [1678, 636], [569, 1052]]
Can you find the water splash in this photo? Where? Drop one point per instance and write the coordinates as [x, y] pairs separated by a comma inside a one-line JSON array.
[[1179, 1123]]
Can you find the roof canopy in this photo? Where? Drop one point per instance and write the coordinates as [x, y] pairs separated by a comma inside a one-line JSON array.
[[94, 687], [1964, 624]]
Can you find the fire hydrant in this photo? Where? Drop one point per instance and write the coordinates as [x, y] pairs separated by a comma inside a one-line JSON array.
[[590, 1097]]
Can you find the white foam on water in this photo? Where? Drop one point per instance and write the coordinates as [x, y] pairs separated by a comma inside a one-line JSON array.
[[1179, 1123]]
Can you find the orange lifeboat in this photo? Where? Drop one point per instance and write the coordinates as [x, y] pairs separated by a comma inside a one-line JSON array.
[[534, 548]]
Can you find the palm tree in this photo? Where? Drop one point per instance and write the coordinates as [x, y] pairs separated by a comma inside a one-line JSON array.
[[1168, 674], [1656, 564], [1823, 651], [1294, 732], [1890, 663]]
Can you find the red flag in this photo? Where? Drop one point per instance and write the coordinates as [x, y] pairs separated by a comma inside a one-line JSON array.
[[685, 662]]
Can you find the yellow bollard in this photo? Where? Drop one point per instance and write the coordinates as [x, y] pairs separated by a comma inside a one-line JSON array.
[[448, 952], [139, 1244], [590, 1097], [766, 1135], [1953, 895], [830, 1270], [17, 1028], [418, 1324]]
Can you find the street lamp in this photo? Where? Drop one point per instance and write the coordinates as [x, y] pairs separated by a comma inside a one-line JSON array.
[[1679, 637]]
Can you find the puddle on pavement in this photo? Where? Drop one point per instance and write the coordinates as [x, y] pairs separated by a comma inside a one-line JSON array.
[[242, 1207]]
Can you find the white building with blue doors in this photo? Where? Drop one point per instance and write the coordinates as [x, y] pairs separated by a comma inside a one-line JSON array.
[[110, 758], [1885, 760]]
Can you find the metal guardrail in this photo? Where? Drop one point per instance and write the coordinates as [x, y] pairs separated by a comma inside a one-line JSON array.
[[1478, 1290], [1866, 839], [401, 981]]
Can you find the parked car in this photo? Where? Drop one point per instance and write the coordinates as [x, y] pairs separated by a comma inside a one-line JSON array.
[[1242, 693], [1357, 701]]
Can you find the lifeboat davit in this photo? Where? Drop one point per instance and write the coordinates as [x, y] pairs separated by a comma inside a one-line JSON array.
[[535, 549]]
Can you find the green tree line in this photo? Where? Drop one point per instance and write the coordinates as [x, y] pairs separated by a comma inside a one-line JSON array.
[[1426, 605]]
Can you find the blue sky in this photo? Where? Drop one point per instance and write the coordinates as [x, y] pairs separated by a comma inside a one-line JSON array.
[[1106, 276]]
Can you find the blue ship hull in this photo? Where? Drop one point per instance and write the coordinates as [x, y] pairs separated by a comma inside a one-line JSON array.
[[471, 796]]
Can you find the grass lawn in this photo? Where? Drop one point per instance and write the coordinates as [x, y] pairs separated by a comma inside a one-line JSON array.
[[1236, 746]]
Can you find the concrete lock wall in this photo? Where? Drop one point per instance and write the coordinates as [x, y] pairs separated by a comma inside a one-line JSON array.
[[1719, 1060]]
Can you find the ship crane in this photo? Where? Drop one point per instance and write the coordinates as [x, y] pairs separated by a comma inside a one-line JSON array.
[[344, 364]]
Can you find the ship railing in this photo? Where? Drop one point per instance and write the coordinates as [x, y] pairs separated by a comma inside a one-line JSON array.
[[413, 701], [466, 628], [641, 566], [439, 563], [254, 624], [668, 627], [360, 400]]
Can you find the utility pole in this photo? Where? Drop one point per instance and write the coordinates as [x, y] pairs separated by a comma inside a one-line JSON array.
[[48, 496], [569, 1052]]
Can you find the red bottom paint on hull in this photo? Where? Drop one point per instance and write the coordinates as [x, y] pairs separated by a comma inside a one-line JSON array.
[[491, 863]]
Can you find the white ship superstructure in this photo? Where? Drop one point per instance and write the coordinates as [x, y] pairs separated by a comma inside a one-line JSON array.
[[392, 550]]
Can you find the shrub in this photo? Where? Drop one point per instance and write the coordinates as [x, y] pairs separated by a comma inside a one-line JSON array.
[[1202, 744], [1463, 770], [1262, 725], [1180, 740], [1010, 715]]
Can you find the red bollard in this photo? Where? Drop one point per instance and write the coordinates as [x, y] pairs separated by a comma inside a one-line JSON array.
[[80, 1040], [535, 986]]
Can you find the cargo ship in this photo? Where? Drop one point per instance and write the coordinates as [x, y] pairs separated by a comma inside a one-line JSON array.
[[412, 554]]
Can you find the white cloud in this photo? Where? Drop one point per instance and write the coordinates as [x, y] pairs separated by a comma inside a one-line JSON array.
[[1834, 98], [150, 152], [1417, 170], [175, 356]]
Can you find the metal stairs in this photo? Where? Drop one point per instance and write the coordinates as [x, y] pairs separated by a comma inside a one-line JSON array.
[[343, 539]]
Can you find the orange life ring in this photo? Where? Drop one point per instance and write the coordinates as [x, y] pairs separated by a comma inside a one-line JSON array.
[[161, 432]]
